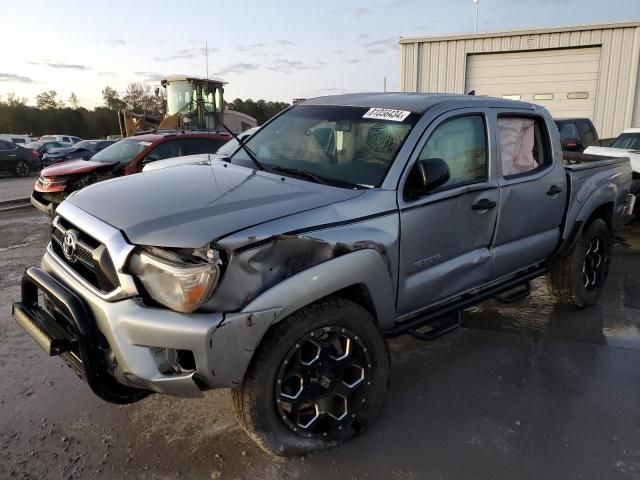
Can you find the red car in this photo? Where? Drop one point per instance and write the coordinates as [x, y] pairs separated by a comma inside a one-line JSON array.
[[124, 157]]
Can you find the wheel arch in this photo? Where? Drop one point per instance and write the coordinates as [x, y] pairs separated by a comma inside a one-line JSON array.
[[362, 276]]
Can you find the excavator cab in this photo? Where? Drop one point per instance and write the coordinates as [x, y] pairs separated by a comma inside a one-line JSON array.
[[192, 104]]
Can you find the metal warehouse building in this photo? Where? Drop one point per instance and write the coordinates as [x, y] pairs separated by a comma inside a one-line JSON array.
[[582, 71]]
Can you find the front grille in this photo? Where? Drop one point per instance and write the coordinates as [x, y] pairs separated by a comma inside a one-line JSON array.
[[90, 259]]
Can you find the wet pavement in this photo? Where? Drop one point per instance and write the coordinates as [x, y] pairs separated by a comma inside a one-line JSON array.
[[522, 391]]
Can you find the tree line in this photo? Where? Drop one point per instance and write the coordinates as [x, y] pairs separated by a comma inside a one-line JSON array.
[[51, 115]]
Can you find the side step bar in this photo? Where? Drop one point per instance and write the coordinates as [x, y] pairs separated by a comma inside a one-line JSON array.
[[435, 317]]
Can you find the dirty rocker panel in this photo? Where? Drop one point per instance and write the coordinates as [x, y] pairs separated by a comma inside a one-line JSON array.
[[70, 331]]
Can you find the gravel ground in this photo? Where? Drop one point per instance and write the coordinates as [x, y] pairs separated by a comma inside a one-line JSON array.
[[523, 391]]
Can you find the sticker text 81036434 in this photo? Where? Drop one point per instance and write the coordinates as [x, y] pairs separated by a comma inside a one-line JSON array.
[[386, 114]]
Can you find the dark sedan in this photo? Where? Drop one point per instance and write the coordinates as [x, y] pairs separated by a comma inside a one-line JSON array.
[[43, 147], [83, 150], [17, 160]]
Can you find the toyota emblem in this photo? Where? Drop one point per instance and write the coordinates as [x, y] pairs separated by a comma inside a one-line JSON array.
[[69, 243]]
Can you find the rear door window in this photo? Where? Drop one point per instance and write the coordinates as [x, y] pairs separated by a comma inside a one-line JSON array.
[[168, 149], [193, 146], [524, 145], [4, 145]]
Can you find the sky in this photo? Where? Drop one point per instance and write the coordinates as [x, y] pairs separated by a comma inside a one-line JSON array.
[[271, 49]]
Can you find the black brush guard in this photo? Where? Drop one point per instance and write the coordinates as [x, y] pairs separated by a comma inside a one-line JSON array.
[[70, 332]]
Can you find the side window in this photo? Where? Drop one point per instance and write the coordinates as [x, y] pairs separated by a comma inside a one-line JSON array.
[[586, 132], [17, 140], [66, 139], [462, 143], [524, 145], [164, 150], [5, 145], [193, 146], [568, 131]]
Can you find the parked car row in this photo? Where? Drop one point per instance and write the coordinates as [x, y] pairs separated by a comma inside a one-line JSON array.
[[83, 150], [125, 157]]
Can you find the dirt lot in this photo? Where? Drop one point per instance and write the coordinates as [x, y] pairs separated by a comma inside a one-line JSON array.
[[527, 391]]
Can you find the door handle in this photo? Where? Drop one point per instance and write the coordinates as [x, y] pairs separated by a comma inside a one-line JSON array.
[[12, 155], [554, 190], [483, 204]]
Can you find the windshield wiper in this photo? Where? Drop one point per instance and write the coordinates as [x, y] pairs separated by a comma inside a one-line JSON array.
[[301, 173], [245, 148]]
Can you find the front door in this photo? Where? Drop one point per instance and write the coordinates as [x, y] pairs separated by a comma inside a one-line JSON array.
[[446, 235], [532, 190]]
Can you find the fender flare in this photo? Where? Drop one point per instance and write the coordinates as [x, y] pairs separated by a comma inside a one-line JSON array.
[[365, 266]]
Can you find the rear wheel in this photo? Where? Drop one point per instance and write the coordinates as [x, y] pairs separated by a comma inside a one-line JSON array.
[[578, 278], [318, 379], [22, 169]]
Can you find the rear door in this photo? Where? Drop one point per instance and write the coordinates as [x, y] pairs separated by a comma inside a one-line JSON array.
[[446, 235], [167, 149], [8, 155], [532, 192]]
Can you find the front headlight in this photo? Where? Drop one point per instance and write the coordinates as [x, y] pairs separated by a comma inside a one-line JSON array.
[[180, 286]]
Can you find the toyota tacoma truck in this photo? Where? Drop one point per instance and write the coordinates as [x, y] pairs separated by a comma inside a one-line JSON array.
[[279, 271]]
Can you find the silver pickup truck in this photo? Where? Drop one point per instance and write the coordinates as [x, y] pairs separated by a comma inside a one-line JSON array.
[[279, 270]]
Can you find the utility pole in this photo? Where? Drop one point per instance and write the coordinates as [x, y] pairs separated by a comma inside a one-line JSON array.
[[475, 2], [206, 56], [385, 84]]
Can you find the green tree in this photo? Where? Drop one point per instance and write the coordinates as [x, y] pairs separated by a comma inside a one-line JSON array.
[[47, 100], [112, 99]]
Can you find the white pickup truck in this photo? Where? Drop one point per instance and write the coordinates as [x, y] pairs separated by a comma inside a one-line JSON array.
[[626, 145]]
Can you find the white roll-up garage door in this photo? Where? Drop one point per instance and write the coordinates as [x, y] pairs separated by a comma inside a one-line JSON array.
[[562, 80]]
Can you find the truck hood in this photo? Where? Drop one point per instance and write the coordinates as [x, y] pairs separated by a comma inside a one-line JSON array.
[[191, 205], [633, 155], [73, 167]]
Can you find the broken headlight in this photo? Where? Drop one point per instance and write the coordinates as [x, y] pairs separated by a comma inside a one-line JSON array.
[[180, 284]]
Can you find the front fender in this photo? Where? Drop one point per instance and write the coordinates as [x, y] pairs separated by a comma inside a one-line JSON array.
[[365, 267], [236, 340]]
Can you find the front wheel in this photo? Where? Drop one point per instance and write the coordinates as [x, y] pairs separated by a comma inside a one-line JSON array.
[[578, 278], [22, 169], [318, 379]]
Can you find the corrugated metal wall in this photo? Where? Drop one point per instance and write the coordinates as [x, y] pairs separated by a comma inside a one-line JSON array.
[[439, 66]]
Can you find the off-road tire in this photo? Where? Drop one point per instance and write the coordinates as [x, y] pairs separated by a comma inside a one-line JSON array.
[[566, 277], [255, 400], [22, 169]]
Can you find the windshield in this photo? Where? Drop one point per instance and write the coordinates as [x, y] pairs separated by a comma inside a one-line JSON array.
[[232, 145], [122, 151], [87, 145], [628, 141], [345, 146]]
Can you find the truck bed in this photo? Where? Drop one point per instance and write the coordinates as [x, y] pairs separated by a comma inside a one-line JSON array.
[[576, 161]]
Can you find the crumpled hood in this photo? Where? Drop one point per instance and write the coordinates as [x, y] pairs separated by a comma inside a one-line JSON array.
[[73, 167], [189, 206]]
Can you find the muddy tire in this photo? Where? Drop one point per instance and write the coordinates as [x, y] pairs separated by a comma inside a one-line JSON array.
[[577, 278], [318, 378], [22, 169]]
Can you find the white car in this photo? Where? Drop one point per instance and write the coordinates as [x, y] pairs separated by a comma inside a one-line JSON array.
[[224, 151], [626, 145], [17, 139], [60, 138]]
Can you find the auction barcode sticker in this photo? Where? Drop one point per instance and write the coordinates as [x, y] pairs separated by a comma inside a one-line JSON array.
[[387, 114]]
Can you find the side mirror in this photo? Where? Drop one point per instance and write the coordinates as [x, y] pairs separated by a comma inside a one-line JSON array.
[[426, 175], [571, 144]]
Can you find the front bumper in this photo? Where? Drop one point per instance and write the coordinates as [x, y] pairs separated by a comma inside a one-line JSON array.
[[46, 202], [134, 340]]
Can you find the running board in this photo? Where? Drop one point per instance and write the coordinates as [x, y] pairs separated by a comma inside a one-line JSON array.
[[518, 293], [438, 327], [434, 317]]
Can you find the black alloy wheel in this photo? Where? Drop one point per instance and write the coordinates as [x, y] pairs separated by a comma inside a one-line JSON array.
[[322, 382]]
